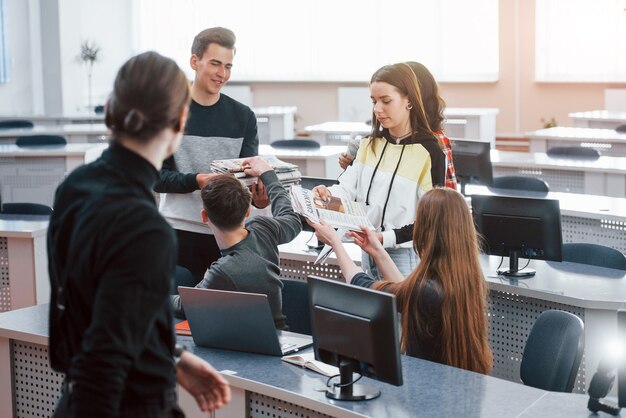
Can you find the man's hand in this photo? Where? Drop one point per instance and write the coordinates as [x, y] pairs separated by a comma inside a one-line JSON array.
[[203, 178], [203, 382], [345, 159], [255, 166], [259, 195]]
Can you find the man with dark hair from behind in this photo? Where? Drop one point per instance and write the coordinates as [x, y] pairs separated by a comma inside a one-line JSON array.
[[111, 259], [250, 260], [218, 127]]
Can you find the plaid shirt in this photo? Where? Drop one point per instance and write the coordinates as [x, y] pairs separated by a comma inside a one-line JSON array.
[[450, 175]]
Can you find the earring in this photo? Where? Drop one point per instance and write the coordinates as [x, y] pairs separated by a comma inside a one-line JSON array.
[[409, 106]]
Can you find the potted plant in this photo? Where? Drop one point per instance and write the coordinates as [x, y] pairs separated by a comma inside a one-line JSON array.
[[89, 54]]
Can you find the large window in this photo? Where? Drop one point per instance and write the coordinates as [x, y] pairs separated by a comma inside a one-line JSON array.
[[331, 40], [580, 40], [4, 53]]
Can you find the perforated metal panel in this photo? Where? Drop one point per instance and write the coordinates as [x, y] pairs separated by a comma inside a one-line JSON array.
[[511, 318], [5, 290], [261, 406], [31, 179], [36, 387], [299, 270], [594, 231], [559, 180]]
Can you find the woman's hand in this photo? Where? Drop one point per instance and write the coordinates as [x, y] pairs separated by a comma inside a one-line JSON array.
[[345, 159], [321, 195], [326, 233], [368, 240]]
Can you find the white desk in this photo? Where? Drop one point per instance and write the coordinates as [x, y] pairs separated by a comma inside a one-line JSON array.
[[584, 218], [605, 176], [480, 122], [592, 293], [313, 163], [606, 141], [32, 174], [606, 119], [23, 261], [58, 119], [339, 133], [275, 122], [73, 133]]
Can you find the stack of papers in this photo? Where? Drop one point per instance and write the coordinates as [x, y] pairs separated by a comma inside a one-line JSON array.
[[287, 173]]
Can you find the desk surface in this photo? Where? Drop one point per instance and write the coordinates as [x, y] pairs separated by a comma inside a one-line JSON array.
[[572, 204], [604, 164], [430, 388], [320, 153], [600, 115], [62, 130], [12, 150], [23, 226], [565, 133]]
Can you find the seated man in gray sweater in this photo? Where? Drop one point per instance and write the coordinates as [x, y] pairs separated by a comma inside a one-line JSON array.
[[249, 261]]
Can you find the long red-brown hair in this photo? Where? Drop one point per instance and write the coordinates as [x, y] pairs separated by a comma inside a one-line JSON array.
[[446, 241]]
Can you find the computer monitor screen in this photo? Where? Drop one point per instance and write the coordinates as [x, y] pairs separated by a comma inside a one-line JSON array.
[[472, 162], [355, 329], [519, 227]]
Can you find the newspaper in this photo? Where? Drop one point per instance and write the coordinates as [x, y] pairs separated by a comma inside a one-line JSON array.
[[338, 212], [287, 173]]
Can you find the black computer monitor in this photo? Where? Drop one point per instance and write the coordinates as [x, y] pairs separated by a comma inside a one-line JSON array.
[[355, 329], [472, 162], [519, 227]]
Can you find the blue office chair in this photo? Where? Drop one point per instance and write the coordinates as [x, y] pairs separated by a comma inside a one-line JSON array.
[[296, 143], [594, 254], [182, 277], [39, 140], [25, 209], [15, 123], [621, 129], [530, 184], [553, 352], [295, 296], [574, 153]]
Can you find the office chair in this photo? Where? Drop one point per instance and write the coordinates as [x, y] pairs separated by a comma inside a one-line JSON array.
[[25, 209], [575, 153], [530, 184], [621, 129], [182, 277], [295, 143], [295, 296], [594, 254], [553, 352], [310, 182], [15, 123], [99, 109], [39, 140]]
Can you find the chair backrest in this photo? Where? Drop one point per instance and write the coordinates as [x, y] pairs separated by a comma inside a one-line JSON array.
[[621, 129], [295, 296], [553, 352], [594, 254], [25, 209], [575, 153], [15, 123], [183, 277], [310, 182], [530, 184], [295, 143], [39, 140]]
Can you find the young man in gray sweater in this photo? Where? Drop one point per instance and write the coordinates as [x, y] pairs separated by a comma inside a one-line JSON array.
[[250, 261]]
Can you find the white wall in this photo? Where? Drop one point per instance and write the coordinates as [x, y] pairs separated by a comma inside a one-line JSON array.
[[16, 96]]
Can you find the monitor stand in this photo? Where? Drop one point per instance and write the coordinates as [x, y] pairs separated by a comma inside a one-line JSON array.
[[347, 390], [514, 270]]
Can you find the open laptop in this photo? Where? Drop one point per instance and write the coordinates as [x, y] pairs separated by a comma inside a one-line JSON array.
[[237, 321]]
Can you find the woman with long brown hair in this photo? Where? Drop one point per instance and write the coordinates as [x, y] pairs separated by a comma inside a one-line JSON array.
[[442, 301]]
